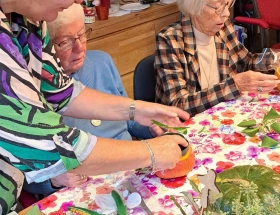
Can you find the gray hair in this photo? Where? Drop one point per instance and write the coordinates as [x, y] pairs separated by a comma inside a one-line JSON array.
[[191, 7], [69, 15]]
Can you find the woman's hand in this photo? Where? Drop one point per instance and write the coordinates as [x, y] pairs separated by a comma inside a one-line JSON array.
[[145, 112], [68, 180], [166, 150], [255, 82]]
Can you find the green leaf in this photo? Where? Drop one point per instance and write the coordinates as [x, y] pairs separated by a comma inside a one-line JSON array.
[[194, 187], [247, 123], [120, 205], [159, 124], [251, 131], [276, 127], [214, 196], [182, 130], [272, 114], [268, 142]]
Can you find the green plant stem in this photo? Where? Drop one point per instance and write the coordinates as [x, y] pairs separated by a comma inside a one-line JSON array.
[[178, 205]]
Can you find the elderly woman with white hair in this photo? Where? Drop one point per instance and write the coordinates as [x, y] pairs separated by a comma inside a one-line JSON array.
[[200, 62], [96, 70]]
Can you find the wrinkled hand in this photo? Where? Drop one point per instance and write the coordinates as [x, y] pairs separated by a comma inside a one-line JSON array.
[[68, 179], [166, 150], [251, 81], [156, 130], [145, 112]]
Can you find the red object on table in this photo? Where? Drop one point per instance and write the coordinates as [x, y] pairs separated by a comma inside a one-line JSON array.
[[105, 3], [102, 12]]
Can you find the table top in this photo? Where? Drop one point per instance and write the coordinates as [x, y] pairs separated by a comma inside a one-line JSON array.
[[218, 144]]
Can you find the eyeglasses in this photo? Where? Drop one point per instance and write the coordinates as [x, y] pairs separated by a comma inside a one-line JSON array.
[[221, 8], [70, 42]]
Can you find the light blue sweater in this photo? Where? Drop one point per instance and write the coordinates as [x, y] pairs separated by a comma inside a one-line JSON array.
[[99, 72]]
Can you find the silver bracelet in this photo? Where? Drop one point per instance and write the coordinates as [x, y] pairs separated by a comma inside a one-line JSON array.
[[132, 110], [152, 156]]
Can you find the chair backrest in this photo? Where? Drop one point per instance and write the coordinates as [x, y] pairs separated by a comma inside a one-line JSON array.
[[268, 10], [144, 80]]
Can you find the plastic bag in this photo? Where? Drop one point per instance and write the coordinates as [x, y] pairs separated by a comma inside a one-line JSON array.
[[268, 61]]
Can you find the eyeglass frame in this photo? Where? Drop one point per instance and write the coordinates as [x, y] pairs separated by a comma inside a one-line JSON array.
[[222, 5], [73, 40]]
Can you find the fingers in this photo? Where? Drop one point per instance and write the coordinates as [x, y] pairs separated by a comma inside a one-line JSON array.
[[256, 82]]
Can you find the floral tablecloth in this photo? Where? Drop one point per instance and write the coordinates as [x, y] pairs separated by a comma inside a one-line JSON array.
[[218, 144]]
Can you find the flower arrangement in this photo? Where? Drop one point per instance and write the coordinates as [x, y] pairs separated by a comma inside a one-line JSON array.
[[238, 191]]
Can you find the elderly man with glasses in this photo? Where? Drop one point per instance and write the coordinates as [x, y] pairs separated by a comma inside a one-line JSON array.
[[200, 62]]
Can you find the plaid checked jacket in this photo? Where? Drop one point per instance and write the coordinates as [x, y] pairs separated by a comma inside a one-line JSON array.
[[177, 67]]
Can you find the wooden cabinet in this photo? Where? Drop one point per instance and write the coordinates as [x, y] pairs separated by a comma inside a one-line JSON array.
[[131, 37]]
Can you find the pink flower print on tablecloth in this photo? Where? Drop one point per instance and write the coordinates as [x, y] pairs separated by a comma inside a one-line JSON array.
[[227, 122], [193, 193], [48, 202], [213, 129], [174, 182], [65, 205], [235, 156], [276, 169], [97, 181], [253, 95], [152, 188], [276, 107], [204, 162], [104, 189], [215, 117], [228, 114], [211, 148], [260, 161], [221, 166], [204, 122], [86, 197], [166, 202], [163, 213], [59, 212], [234, 139], [253, 151], [188, 122], [93, 206], [274, 156]]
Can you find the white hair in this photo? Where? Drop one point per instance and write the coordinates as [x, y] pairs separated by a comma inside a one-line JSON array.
[[191, 7], [69, 15]]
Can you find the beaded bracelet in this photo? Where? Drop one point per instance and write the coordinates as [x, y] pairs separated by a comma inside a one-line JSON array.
[[132, 110], [152, 156]]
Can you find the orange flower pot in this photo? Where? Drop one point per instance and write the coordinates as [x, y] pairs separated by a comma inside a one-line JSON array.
[[182, 168], [277, 73]]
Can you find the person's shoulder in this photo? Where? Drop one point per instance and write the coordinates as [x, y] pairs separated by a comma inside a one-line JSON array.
[[97, 54], [175, 29]]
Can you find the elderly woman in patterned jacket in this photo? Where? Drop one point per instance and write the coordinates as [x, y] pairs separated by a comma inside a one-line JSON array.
[[200, 62]]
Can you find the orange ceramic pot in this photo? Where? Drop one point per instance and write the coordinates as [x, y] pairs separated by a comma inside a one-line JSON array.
[[277, 73], [182, 168]]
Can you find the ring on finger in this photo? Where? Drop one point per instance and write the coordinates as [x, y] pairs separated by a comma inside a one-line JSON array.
[[82, 177], [260, 89]]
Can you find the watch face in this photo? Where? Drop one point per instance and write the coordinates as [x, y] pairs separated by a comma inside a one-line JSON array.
[[95, 122]]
